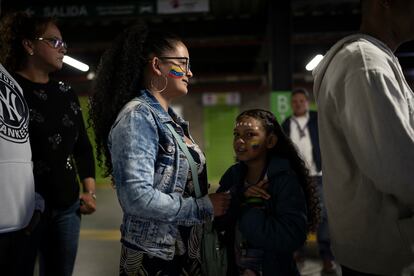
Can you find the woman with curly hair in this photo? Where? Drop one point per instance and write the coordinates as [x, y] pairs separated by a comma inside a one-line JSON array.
[[144, 143], [273, 205], [32, 48]]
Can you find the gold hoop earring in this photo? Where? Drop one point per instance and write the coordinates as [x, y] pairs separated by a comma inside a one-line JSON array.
[[153, 86]]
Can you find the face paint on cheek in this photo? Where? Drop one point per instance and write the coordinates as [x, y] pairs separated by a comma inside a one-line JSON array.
[[255, 144], [176, 72]]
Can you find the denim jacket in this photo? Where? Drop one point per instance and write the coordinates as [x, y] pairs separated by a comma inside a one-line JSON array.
[[150, 173]]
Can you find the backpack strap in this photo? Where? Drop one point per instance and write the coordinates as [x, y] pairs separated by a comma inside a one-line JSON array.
[[190, 159]]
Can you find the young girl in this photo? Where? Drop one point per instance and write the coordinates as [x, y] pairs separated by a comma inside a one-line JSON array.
[[273, 203]]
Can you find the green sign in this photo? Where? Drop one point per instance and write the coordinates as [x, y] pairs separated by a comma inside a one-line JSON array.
[[280, 104]]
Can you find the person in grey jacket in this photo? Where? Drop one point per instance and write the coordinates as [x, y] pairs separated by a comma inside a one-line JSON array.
[[139, 76], [366, 127]]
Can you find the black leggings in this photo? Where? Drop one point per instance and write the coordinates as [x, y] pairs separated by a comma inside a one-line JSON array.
[[136, 263], [346, 271]]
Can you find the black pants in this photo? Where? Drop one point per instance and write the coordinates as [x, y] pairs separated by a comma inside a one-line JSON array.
[[346, 271], [13, 254]]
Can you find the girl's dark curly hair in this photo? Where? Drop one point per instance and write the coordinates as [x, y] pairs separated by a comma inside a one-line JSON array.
[[14, 28], [120, 77], [284, 148]]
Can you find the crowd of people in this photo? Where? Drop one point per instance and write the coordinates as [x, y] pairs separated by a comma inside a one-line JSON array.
[[344, 172]]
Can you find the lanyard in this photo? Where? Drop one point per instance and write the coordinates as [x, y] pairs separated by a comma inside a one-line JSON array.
[[302, 132]]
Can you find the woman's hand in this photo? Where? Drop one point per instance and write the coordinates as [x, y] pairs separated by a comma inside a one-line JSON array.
[[88, 203], [258, 190], [221, 202]]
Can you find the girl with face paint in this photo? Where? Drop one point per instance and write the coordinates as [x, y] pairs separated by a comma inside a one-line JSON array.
[[273, 205]]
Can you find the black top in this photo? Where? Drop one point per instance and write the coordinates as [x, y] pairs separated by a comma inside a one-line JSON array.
[[60, 145]]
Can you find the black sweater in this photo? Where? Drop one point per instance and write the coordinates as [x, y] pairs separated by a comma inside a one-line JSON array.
[[59, 142]]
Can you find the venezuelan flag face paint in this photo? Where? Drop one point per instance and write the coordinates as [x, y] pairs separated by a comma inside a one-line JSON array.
[[176, 72], [255, 144]]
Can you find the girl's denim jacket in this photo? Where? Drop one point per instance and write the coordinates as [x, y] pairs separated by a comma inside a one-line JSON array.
[[150, 173]]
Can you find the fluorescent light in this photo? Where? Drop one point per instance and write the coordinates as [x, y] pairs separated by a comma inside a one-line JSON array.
[[314, 62], [75, 63]]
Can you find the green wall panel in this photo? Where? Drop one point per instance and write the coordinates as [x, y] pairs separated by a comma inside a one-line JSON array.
[[85, 111], [218, 134]]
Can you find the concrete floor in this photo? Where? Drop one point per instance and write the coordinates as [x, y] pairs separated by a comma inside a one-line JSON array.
[[99, 246]]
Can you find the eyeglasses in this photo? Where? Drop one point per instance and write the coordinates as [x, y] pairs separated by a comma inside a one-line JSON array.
[[54, 42], [185, 63]]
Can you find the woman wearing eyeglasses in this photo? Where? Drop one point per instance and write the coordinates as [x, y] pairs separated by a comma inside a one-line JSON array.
[[138, 78], [32, 48]]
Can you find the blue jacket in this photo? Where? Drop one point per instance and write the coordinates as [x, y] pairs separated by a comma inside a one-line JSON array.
[[314, 136], [279, 229], [150, 173]]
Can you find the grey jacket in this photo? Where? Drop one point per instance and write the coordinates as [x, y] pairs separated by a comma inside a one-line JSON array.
[[366, 131]]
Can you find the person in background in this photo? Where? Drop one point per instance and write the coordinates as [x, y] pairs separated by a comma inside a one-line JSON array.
[[139, 76], [20, 206], [32, 49], [302, 128], [366, 130], [273, 201]]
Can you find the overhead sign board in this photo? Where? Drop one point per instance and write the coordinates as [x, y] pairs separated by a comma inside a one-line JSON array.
[[182, 6], [127, 9]]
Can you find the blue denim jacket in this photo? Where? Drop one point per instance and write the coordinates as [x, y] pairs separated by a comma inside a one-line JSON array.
[[150, 173]]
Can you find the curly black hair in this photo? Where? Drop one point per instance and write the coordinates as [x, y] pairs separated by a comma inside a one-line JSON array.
[[120, 77], [284, 148], [14, 28]]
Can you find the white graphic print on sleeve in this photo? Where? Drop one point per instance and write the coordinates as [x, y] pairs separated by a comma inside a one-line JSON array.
[[14, 113]]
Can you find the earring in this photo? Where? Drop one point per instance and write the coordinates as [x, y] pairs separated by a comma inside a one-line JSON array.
[[31, 53], [153, 86]]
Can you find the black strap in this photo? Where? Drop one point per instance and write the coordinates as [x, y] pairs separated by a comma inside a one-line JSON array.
[[301, 130]]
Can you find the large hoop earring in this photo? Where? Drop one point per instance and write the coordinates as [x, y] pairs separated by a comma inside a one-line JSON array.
[[152, 86]]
